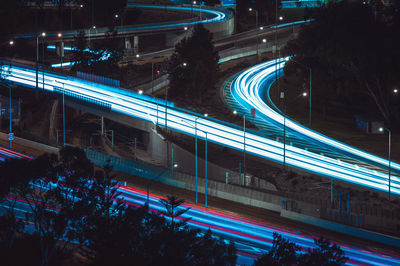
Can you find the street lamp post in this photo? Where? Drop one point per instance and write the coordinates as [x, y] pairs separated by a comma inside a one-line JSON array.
[[195, 133], [10, 111], [244, 149], [121, 19], [205, 204], [282, 96], [310, 86], [390, 146], [196, 156], [37, 60], [63, 103], [93, 27], [255, 10], [59, 35], [43, 61]]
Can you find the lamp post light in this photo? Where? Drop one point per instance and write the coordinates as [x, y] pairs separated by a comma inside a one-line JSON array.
[[244, 149], [10, 109], [43, 34], [121, 19], [244, 145], [196, 156], [63, 103], [390, 147], [184, 64], [59, 35], [282, 96], [255, 10], [93, 27], [310, 86]]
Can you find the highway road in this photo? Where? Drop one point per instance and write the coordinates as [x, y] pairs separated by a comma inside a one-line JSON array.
[[210, 16], [252, 238], [156, 111], [249, 90], [7, 154]]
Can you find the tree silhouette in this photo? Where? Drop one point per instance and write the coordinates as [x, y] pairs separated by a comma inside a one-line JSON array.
[[338, 44], [173, 210], [284, 252], [200, 73], [72, 210]]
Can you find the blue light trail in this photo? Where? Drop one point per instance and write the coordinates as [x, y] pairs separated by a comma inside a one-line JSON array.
[[214, 16], [154, 110]]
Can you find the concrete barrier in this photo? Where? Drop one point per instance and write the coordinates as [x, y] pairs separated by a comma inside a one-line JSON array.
[[345, 229], [30, 144]]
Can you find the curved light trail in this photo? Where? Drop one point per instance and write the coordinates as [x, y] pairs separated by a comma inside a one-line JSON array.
[[249, 89], [214, 16], [9, 154], [252, 238], [155, 111]]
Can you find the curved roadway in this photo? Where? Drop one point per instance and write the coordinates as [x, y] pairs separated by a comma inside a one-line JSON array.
[[252, 238], [212, 16], [155, 111], [248, 90]]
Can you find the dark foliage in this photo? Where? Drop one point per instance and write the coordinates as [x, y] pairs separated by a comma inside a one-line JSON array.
[[353, 49], [284, 252], [84, 214], [201, 71]]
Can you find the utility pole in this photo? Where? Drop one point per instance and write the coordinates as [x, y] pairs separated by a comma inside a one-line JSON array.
[[244, 148]]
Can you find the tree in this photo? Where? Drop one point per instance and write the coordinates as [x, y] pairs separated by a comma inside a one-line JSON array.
[[284, 252], [339, 45], [52, 190], [201, 71], [73, 210], [173, 210], [326, 253]]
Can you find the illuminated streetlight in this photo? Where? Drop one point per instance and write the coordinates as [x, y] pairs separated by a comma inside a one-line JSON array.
[[43, 34], [261, 28], [264, 40], [11, 42], [59, 35], [255, 10], [282, 96], [184, 64], [234, 112], [137, 55], [280, 18], [205, 114], [310, 71], [390, 147], [395, 90], [185, 28], [140, 91], [116, 16]]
